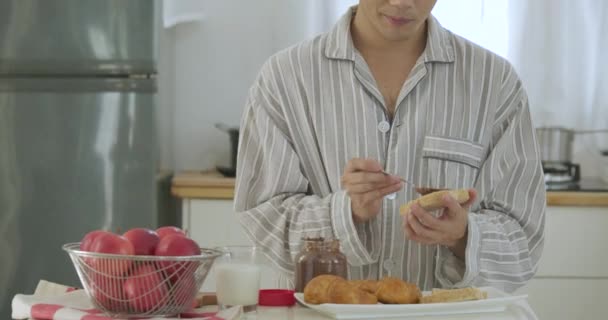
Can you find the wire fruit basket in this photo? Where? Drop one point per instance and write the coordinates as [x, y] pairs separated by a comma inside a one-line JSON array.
[[141, 286]]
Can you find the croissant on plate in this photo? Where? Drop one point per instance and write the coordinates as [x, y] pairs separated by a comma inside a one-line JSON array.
[[396, 291], [333, 289]]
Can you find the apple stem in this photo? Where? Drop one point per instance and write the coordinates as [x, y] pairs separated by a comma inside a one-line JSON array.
[[118, 230]]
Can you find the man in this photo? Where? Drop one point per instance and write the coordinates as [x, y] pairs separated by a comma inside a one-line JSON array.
[[389, 90]]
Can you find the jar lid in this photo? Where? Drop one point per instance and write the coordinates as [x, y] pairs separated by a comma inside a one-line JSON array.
[[276, 297]]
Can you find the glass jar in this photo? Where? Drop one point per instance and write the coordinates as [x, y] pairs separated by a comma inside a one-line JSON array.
[[305, 262], [331, 260]]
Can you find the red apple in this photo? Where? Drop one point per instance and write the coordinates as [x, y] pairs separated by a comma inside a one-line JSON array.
[[176, 245], [144, 241], [108, 292], [167, 230], [146, 289], [85, 244], [112, 244], [183, 292]]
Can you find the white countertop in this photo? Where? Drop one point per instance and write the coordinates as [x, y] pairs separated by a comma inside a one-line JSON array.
[[514, 312]]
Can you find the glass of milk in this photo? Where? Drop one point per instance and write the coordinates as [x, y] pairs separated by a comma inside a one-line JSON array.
[[237, 277]]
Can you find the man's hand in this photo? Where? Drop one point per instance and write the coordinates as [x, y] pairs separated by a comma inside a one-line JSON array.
[[367, 186], [449, 229]]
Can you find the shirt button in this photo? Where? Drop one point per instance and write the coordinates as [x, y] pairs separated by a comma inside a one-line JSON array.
[[384, 126], [392, 196], [388, 265]]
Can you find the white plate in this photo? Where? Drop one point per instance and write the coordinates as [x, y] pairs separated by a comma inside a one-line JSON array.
[[497, 301]]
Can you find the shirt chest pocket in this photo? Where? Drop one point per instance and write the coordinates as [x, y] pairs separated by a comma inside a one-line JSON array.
[[450, 163]]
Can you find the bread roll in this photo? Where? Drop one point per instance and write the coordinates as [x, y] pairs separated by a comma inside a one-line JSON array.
[[397, 291], [317, 289], [433, 201], [370, 286], [344, 292], [332, 289]]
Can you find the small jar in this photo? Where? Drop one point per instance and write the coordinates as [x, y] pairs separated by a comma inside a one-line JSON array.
[[305, 262], [331, 260]]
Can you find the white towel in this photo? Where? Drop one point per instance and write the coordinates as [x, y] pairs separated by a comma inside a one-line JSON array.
[[57, 302]]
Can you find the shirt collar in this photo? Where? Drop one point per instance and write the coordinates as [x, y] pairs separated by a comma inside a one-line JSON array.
[[339, 43]]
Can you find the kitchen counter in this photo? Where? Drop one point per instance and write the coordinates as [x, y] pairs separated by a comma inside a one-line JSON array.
[[202, 185], [212, 185], [297, 312]]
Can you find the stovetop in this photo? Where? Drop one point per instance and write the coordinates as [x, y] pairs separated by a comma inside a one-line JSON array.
[[584, 185]]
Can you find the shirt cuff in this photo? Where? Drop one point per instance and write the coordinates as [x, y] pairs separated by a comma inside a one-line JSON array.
[[345, 230], [451, 271]]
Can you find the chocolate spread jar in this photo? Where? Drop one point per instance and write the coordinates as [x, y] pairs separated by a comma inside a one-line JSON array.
[[331, 260], [305, 262], [319, 256]]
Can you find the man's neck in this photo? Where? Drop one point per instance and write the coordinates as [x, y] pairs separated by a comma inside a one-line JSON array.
[[367, 40]]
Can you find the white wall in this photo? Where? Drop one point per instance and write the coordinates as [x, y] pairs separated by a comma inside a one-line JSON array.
[[207, 68]]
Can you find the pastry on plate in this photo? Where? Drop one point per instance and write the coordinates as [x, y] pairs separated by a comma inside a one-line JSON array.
[[370, 286], [317, 289], [397, 291], [454, 295], [333, 289], [345, 292]]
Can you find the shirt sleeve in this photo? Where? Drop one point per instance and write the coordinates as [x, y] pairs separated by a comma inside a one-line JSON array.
[[273, 199], [506, 229]]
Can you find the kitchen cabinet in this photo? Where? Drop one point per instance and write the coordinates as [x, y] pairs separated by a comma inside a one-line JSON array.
[[572, 276], [213, 223], [576, 243], [567, 298]]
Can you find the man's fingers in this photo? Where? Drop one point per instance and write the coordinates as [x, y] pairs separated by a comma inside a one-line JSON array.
[[408, 229], [451, 204], [358, 164], [426, 218], [362, 188], [390, 189], [421, 230], [381, 193], [412, 235], [367, 187], [368, 177], [472, 198]]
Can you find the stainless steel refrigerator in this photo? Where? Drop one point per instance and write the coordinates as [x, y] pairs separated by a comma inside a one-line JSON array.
[[78, 140]]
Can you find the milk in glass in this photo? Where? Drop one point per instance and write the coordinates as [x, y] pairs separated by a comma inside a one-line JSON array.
[[237, 283]]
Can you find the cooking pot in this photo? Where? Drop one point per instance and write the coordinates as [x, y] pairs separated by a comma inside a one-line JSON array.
[[555, 143], [233, 133]]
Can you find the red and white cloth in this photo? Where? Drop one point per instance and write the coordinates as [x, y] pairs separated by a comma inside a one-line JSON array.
[[57, 302]]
